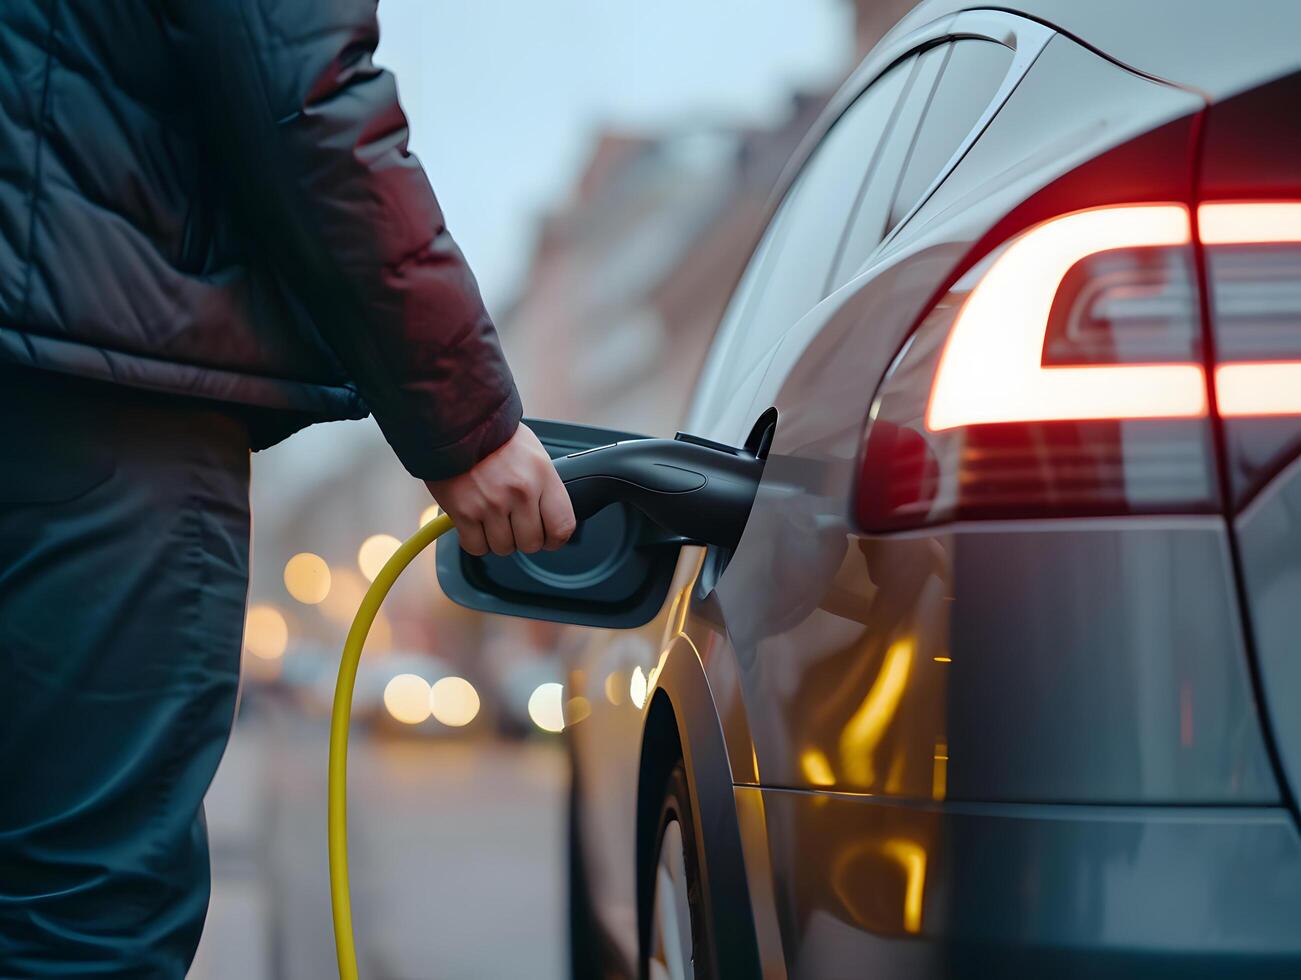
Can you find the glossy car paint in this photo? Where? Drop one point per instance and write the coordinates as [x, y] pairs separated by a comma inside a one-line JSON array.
[[1269, 536], [993, 748], [1000, 890]]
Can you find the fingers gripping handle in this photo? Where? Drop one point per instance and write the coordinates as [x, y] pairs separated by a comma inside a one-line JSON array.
[[698, 492]]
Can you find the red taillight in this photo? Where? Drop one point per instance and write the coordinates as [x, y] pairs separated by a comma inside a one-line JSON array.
[[1063, 374], [992, 367], [1059, 376]]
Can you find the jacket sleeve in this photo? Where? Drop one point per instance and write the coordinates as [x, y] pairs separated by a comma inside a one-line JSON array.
[[310, 143]]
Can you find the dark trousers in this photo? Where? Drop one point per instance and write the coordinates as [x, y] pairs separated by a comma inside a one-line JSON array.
[[124, 530]]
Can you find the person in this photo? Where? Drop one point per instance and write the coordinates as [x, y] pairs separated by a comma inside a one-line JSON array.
[[211, 235]]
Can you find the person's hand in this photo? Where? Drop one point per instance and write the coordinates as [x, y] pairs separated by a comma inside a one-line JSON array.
[[510, 501]]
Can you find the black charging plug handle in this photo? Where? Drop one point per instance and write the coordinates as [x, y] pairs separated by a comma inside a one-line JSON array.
[[700, 491]]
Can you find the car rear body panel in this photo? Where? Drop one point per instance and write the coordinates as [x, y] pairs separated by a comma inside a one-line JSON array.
[[864, 887], [1090, 660], [1269, 543]]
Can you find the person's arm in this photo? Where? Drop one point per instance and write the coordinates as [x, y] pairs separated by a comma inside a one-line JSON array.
[[311, 143]]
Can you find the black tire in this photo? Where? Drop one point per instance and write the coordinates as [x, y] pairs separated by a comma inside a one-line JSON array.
[[676, 809]]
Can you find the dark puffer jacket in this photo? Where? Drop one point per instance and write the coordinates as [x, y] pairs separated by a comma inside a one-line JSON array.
[[215, 198]]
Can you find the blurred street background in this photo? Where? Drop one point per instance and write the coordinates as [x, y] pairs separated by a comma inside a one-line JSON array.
[[605, 167]]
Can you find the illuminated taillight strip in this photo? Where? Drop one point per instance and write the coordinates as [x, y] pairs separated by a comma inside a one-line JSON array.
[[1261, 388], [1264, 387], [1249, 222], [991, 369]]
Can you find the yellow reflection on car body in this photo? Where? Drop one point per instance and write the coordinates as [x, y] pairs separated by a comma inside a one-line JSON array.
[[863, 732], [912, 858], [940, 771], [816, 768]]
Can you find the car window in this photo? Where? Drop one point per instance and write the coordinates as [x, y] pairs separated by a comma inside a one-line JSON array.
[[950, 89], [717, 382], [788, 271], [868, 224], [971, 77], [814, 215]]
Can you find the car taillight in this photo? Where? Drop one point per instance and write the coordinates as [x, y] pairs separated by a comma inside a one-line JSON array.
[[1063, 374], [1060, 376], [1253, 267]]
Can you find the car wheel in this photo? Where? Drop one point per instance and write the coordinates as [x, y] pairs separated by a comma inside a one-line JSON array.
[[679, 946]]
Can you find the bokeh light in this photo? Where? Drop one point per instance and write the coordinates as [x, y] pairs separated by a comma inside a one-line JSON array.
[[266, 634], [546, 707], [453, 701], [307, 577], [406, 698], [429, 513], [346, 591], [614, 688], [374, 552], [637, 687]]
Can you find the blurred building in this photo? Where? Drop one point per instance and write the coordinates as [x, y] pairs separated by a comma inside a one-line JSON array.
[[872, 18], [630, 275]]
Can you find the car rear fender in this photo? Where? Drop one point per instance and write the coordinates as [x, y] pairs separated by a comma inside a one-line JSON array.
[[681, 722]]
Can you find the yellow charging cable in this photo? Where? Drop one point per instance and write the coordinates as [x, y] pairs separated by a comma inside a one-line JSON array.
[[345, 943]]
